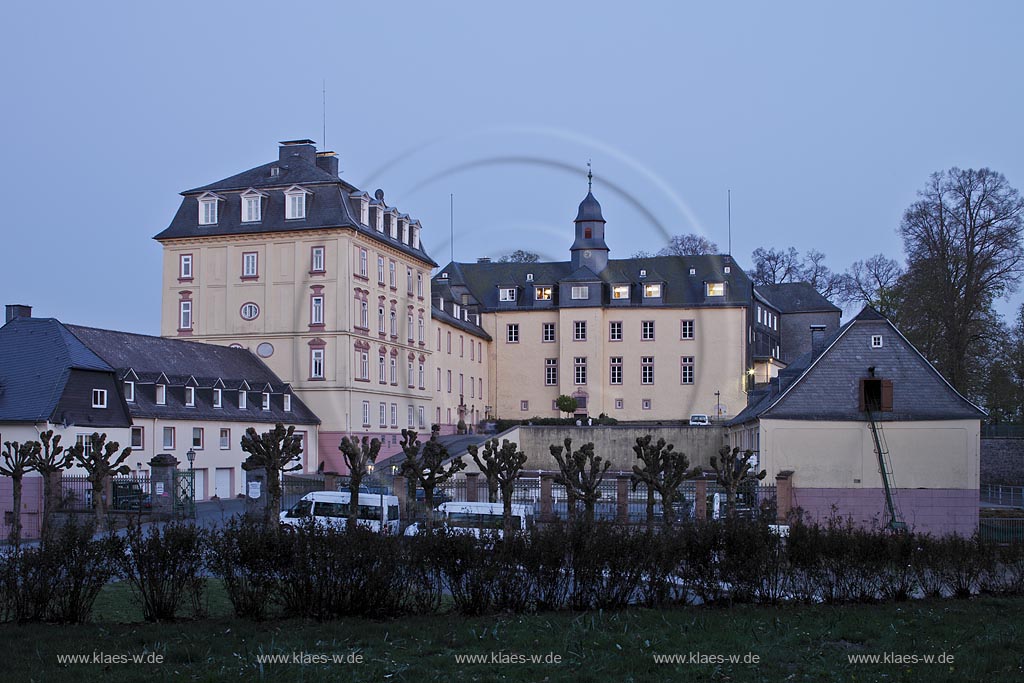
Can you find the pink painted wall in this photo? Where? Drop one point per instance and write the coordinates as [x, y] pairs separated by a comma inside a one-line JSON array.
[[31, 506], [934, 511], [333, 460]]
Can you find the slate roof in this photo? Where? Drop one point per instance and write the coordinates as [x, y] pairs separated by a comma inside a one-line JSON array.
[[590, 209], [328, 205], [825, 384], [796, 297], [38, 356], [464, 325], [482, 280], [180, 362]]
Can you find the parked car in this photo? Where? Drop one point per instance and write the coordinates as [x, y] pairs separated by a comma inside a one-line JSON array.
[[128, 495], [474, 518], [700, 421], [330, 508]]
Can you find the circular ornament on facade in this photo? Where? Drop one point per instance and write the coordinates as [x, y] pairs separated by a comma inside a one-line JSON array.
[[249, 311], [265, 350], [586, 253]]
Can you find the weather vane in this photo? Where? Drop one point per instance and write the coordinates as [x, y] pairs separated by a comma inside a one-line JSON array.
[[590, 177]]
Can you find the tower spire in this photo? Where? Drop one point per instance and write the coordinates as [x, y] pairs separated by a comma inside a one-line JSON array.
[[590, 177]]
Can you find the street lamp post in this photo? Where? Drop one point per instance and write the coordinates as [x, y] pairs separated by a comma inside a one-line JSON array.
[[718, 405], [191, 455]]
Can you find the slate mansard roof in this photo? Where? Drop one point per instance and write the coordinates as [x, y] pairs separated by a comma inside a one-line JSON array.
[[680, 288], [329, 203], [796, 297], [154, 360], [824, 384]]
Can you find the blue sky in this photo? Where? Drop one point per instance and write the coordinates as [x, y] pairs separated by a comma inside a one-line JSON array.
[[823, 120]]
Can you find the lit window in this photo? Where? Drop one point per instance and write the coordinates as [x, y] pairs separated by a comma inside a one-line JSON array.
[[225, 439], [218, 398], [190, 397], [185, 315], [287, 403], [548, 332], [250, 262], [615, 370], [168, 438], [715, 288], [686, 329], [686, 372], [507, 294], [652, 291], [647, 370], [550, 372], [250, 311], [579, 330], [129, 392], [243, 399], [295, 204], [185, 267], [266, 401], [542, 293], [99, 398], [316, 365], [647, 330], [580, 292], [161, 395], [615, 330], [316, 315], [512, 333], [620, 291], [318, 264], [876, 341], [580, 370], [137, 438], [208, 211], [252, 205], [197, 437]]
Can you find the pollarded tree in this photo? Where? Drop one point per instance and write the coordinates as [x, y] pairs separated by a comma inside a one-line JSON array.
[[359, 454], [731, 472], [502, 467], [277, 451], [581, 473], [100, 462], [566, 404], [17, 461], [49, 460], [424, 464], [664, 470]]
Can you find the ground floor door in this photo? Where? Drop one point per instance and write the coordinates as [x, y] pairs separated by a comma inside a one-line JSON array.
[[200, 484], [222, 483]]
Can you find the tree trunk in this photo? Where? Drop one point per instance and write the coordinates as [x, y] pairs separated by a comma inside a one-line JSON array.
[[49, 502], [353, 500], [506, 512], [650, 508], [730, 501], [97, 502], [668, 514], [428, 499], [588, 512], [492, 492], [273, 490], [16, 516]]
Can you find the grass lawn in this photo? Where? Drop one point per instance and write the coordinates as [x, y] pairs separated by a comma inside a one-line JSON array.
[[792, 643]]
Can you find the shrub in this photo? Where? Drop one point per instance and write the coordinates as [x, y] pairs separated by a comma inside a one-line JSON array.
[[163, 565], [246, 555]]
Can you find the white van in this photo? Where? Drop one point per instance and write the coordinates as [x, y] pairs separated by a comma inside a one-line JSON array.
[[377, 512], [700, 421], [471, 518]]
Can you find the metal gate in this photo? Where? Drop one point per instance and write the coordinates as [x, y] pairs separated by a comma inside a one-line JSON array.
[[185, 493]]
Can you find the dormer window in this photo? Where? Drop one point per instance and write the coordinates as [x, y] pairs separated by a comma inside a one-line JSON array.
[[295, 203], [580, 292], [715, 288], [288, 402], [507, 294], [208, 208], [652, 290], [129, 392], [588, 233], [542, 293], [415, 238], [243, 399], [190, 397], [252, 206], [620, 291], [99, 398], [266, 401], [727, 270], [218, 398], [161, 394]]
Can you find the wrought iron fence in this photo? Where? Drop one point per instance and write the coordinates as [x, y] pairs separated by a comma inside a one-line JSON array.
[[1001, 529], [1012, 496], [75, 493], [128, 494], [1002, 431], [295, 486]]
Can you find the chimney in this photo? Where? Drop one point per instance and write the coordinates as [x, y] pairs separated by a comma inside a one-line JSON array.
[[328, 161], [817, 337], [17, 311], [304, 149]]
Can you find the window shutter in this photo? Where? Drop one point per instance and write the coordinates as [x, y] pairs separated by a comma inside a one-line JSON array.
[[861, 407], [886, 395]]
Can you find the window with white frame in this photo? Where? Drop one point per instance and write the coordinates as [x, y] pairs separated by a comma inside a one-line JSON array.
[[645, 404], [686, 329], [190, 397], [876, 341], [409, 327], [249, 311], [380, 321], [288, 403], [185, 266], [225, 438], [512, 333], [382, 370], [394, 414], [462, 384], [316, 364], [197, 438], [252, 205], [318, 260], [85, 442], [715, 288], [364, 365], [266, 401], [422, 376], [295, 204], [615, 330], [686, 370], [362, 262], [243, 399], [168, 441], [472, 387], [394, 370], [449, 381], [392, 279], [422, 414], [620, 291], [524, 405], [507, 294], [579, 330], [366, 413], [184, 314], [619, 404], [542, 293], [580, 292], [250, 264], [380, 270], [647, 370], [419, 284], [647, 330], [138, 441], [547, 332], [208, 211], [411, 372], [218, 398], [129, 392], [550, 372], [652, 290], [615, 370], [364, 315], [161, 394], [411, 417], [421, 329], [394, 324], [99, 398], [580, 370], [382, 414], [408, 280], [316, 316]]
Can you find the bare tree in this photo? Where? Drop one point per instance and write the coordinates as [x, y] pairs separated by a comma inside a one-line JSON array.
[[276, 451], [731, 471], [359, 454], [16, 463], [664, 470], [818, 275], [581, 473], [962, 238], [424, 463], [873, 282], [488, 465], [775, 266], [502, 466], [100, 462], [690, 244], [49, 460], [519, 256]]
